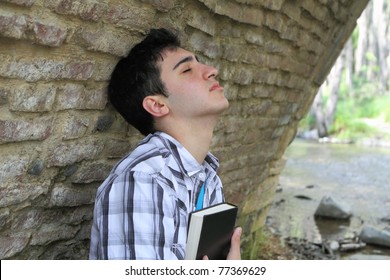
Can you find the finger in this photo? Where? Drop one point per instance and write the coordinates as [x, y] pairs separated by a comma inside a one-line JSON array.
[[235, 246]]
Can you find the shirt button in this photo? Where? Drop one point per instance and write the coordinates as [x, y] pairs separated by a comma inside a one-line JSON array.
[[201, 176]]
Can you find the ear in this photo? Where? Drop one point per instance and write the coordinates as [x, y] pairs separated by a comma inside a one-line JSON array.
[[155, 105]]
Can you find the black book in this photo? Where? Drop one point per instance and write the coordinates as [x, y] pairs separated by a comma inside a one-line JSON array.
[[210, 231]]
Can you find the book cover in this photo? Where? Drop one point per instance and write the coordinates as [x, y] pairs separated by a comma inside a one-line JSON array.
[[210, 231]]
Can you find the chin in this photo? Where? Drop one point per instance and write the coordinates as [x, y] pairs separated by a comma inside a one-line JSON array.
[[224, 108], [227, 103]]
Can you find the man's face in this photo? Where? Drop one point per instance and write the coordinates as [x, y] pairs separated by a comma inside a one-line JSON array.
[[193, 90]]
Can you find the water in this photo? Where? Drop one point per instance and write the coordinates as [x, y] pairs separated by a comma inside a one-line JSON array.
[[357, 176]]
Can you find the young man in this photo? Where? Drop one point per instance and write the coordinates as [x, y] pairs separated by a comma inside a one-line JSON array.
[[142, 208]]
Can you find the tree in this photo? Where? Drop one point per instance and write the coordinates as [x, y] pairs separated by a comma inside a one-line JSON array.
[[364, 59], [381, 43], [324, 113]]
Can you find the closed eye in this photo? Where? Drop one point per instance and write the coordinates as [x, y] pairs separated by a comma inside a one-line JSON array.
[[187, 70]]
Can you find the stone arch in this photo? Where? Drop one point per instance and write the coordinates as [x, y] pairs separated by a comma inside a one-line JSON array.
[[59, 138]]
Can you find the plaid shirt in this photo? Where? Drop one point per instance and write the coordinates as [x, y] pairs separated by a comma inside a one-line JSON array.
[[142, 208]]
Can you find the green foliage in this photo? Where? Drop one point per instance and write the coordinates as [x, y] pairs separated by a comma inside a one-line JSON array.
[[307, 123], [375, 107], [352, 112], [349, 121], [352, 129]]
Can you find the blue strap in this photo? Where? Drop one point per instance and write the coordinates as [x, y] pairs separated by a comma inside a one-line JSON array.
[[199, 202]]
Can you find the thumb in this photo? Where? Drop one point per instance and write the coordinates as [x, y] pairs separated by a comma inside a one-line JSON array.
[[235, 246]]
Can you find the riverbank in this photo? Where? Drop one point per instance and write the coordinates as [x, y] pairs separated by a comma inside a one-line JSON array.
[[357, 176], [282, 248], [378, 137], [276, 247]]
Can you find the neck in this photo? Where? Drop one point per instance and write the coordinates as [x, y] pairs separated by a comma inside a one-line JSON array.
[[195, 137]]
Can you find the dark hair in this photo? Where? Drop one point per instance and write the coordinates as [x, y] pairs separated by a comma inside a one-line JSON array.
[[138, 75]]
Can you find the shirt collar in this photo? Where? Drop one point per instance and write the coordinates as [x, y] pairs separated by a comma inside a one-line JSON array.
[[185, 160]]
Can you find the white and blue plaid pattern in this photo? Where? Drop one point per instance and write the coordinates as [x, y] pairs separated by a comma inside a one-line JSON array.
[[142, 208]]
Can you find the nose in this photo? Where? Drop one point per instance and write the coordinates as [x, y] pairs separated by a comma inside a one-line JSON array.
[[210, 72]]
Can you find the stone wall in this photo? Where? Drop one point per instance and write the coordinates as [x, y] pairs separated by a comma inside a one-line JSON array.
[[59, 138]]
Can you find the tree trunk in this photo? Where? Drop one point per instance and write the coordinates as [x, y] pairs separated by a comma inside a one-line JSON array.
[[324, 115], [349, 68], [379, 31], [334, 82], [361, 49], [317, 109]]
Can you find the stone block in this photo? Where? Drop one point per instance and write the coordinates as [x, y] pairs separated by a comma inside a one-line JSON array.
[[71, 152], [10, 245], [292, 10], [243, 76], [15, 193], [32, 98], [78, 70], [273, 4], [13, 26], [295, 82], [118, 148], [19, 26], [276, 22], [78, 215], [4, 216], [91, 172], [205, 44], [12, 166], [27, 220], [237, 12], [252, 16], [106, 41], [131, 17], [26, 3], [203, 21], [161, 5], [255, 57], [316, 10], [47, 33], [104, 123], [24, 130], [277, 47], [4, 93], [87, 9], [49, 233], [64, 196], [255, 37], [74, 126], [33, 69], [233, 52], [76, 96]]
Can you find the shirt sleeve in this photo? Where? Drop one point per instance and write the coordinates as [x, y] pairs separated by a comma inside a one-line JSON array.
[[137, 219]]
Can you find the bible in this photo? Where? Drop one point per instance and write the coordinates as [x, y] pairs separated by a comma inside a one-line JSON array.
[[209, 232]]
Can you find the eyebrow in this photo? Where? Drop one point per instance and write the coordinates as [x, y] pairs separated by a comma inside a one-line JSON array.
[[184, 60]]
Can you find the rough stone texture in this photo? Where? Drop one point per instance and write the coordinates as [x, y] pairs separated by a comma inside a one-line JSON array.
[[59, 137], [333, 209], [372, 235]]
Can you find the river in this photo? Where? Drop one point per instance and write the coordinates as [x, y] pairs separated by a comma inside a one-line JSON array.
[[357, 176]]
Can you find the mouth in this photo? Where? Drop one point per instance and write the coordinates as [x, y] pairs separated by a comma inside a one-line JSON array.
[[216, 86]]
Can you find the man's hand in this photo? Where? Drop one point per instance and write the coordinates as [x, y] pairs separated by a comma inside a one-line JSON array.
[[235, 247]]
